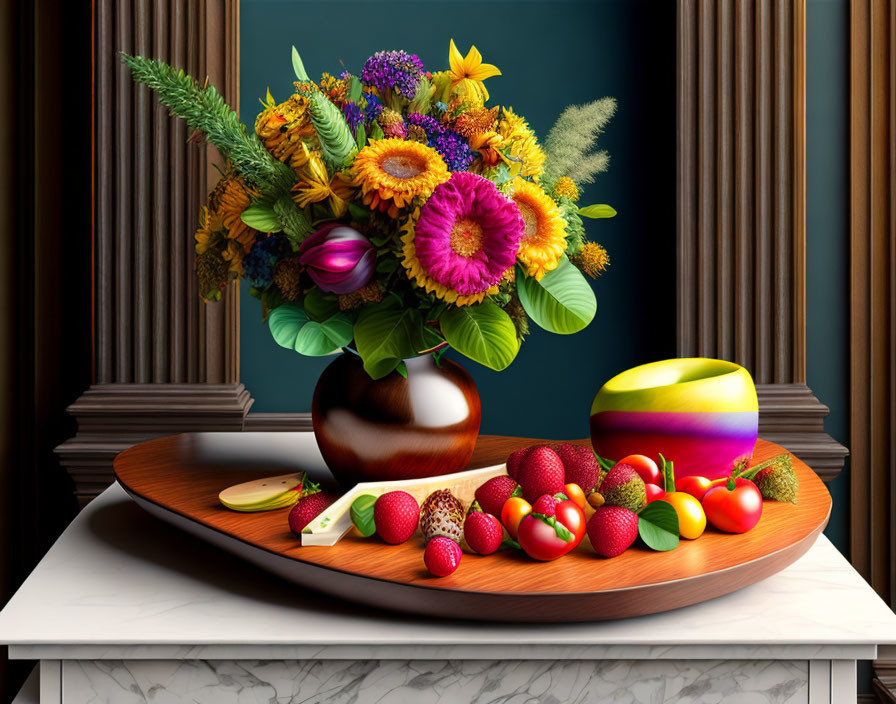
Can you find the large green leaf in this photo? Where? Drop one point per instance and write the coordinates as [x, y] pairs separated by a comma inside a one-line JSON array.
[[294, 330], [387, 333], [658, 526], [484, 333], [261, 216], [562, 302], [597, 211], [298, 67]]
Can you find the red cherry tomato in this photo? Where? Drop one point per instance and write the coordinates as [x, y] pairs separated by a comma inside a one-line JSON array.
[[733, 510], [653, 492], [540, 537], [695, 486], [644, 466]]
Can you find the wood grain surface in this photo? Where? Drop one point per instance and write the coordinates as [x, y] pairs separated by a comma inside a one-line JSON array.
[[505, 586]]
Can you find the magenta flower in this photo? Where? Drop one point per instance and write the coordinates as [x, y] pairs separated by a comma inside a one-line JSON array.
[[338, 258], [467, 235]]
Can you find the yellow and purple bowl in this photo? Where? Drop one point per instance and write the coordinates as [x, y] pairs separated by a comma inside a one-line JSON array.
[[702, 414]]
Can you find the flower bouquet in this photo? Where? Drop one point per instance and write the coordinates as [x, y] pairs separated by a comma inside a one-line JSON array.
[[394, 213]]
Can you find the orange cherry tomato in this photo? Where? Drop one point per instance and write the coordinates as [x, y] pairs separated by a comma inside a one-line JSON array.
[[575, 494], [515, 508], [644, 466], [691, 518]]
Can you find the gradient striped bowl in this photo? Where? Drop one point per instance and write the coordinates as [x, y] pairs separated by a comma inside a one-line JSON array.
[[700, 413]]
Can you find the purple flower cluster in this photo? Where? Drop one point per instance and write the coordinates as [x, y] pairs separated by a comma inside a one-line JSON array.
[[353, 115], [386, 70], [454, 148], [373, 109], [259, 263]]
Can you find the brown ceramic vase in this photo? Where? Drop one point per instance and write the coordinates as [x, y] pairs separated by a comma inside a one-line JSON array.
[[397, 427]]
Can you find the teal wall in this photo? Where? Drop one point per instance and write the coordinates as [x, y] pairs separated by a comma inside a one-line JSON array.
[[551, 54], [827, 226]]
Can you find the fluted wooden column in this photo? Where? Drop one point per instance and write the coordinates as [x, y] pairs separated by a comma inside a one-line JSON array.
[[741, 208], [163, 361], [873, 293]]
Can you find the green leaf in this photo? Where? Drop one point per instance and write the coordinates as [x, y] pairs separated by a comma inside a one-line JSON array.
[[360, 136], [320, 339], [361, 512], [320, 305], [386, 334], [483, 332], [293, 220], [261, 216], [658, 526], [354, 89], [376, 132], [298, 66], [561, 530], [562, 302], [293, 329], [595, 212], [359, 213]]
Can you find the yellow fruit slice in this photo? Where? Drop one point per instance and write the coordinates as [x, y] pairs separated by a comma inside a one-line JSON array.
[[264, 494], [329, 527]]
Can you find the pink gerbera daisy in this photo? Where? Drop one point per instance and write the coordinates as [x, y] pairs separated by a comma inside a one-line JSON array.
[[466, 236]]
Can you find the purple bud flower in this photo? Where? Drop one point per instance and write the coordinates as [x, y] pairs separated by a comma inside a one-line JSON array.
[[338, 258]]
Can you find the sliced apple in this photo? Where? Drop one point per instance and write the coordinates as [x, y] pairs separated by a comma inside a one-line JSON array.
[[264, 494]]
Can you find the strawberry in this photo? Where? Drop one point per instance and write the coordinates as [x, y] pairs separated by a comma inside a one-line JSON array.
[[624, 487], [612, 530], [395, 515], [482, 531], [307, 509], [545, 505], [442, 556], [580, 464], [492, 495], [541, 472], [513, 462]]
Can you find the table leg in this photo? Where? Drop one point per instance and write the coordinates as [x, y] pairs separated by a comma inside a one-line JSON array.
[[832, 681], [50, 682]]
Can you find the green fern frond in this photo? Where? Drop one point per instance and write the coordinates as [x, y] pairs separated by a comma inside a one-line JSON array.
[[336, 141], [204, 109], [569, 144]]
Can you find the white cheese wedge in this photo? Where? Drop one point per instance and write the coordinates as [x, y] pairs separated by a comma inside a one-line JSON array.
[[329, 527], [263, 494]]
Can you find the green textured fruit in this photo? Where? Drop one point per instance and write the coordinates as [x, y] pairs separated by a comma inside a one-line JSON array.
[[623, 487], [778, 481]]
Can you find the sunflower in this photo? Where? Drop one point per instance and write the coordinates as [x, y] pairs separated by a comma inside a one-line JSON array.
[[228, 200], [282, 127], [392, 172], [523, 144], [544, 240], [461, 242]]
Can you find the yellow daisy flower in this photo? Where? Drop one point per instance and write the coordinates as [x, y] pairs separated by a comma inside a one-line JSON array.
[[392, 172], [523, 143], [230, 197], [544, 238], [566, 188]]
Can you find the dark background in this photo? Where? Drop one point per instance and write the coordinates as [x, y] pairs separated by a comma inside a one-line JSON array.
[[552, 54]]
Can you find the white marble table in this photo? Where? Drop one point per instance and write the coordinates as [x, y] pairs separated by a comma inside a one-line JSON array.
[[126, 609]]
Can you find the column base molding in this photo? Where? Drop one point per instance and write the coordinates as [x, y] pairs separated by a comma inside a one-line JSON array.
[[791, 415], [113, 417]]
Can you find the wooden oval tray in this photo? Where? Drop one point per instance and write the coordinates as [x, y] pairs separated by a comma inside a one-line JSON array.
[[178, 479]]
